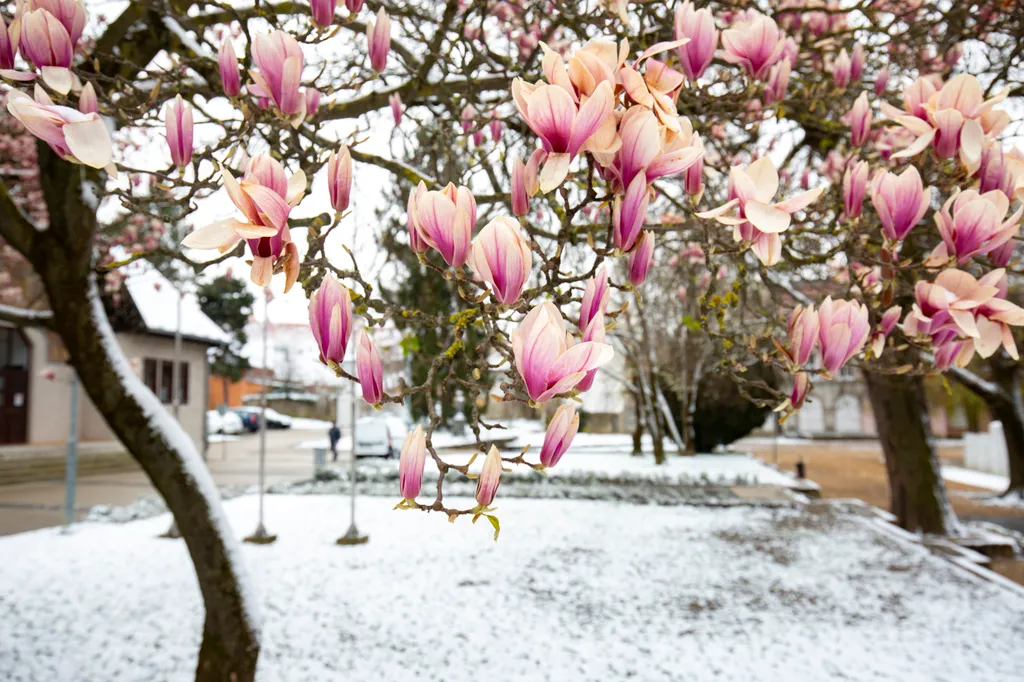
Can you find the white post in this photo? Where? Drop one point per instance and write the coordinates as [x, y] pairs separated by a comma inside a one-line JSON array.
[[260, 536], [71, 467], [352, 536]]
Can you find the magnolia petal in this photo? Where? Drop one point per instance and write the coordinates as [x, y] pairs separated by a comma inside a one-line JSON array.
[[58, 78], [296, 188], [89, 141], [769, 219], [800, 201], [223, 233], [918, 146], [988, 337], [556, 167], [765, 177], [965, 321], [714, 213]]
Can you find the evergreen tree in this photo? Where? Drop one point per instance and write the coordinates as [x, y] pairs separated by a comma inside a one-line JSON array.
[[228, 302]]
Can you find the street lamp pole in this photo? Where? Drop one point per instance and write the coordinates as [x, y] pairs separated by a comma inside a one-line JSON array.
[[71, 467], [260, 536], [352, 536]]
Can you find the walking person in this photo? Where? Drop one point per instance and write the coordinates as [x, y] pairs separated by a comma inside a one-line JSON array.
[[335, 435]]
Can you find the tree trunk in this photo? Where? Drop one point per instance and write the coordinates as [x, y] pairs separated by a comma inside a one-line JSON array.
[[1009, 409], [638, 430], [61, 256], [916, 491]]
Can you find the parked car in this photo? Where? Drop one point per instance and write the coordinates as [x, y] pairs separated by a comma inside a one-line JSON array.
[[227, 423], [380, 436], [275, 420], [250, 419]]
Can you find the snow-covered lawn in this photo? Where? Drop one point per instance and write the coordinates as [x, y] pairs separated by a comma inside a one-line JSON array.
[[572, 591]]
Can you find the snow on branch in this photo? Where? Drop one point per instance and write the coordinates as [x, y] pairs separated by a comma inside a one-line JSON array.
[[24, 317]]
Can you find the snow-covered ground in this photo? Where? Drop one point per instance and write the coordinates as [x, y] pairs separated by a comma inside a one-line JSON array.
[[572, 591], [978, 479]]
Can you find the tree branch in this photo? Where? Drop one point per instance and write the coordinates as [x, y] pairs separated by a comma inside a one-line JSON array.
[[23, 317]]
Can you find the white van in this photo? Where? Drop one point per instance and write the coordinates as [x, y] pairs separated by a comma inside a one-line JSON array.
[[380, 436]]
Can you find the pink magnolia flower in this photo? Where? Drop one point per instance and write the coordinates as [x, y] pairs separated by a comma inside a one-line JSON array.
[[378, 38], [312, 97], [70, 13], [699, 27], [598, 61], [561, 430], [87, 102], [658, 88], [803, 335], [369, 369], [467, 117], [629, 212], [900, 200], [354, 6], [755, 43], [595, 297], [645, 150], [265, 196], [279, 61], [501, 257], [997, 171], [855, 183], [915, 96], [842, 332], [444, 220], [339, 178], [881, 81], [841, 70], [889, 319], [494, 126], [411, 463], [562, 126], [323, 11], [798, 394], [520, 194], [859, 120], [594, 331], [976, 225], [857, 63], [778, 81], [8, 49], [958, 119], [490, 478], [178, 124], [395, 102], [758, 221], [44, 40], [72, 135], [545, 357], [227, 63], [640, 258], [330, 319]]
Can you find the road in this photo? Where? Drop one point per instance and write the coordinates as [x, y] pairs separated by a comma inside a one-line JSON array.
[[40, 504]]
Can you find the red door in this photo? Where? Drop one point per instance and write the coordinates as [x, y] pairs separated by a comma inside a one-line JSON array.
[[14, 360]]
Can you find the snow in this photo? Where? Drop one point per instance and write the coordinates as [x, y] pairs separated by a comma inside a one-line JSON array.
[[24, 314], [157, 301], [978, 479], [163, 423], [572, 591], [186, 39]]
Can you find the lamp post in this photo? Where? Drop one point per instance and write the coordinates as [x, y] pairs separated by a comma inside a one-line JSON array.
[[352, 536], [71, 467], [260, 536], [173, 533]]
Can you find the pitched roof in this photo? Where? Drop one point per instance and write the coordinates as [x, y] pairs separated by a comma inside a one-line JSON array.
[[156, 300]]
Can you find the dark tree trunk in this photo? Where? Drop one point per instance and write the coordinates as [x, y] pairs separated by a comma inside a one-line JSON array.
[[638, 430], [916, 491], [61, 256]]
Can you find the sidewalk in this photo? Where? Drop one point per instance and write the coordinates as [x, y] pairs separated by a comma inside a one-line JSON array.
[[40, 504]]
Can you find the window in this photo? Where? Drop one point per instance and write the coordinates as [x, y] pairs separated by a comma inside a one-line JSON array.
[[158, 375], [13, 350]]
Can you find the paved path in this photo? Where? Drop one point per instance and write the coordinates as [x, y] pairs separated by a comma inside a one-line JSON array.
[[40, 504]]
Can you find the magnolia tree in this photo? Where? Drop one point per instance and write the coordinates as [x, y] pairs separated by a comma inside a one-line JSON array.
[[571, 125]]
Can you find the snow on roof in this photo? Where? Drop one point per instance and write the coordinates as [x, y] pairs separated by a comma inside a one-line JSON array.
[[157, 301]]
